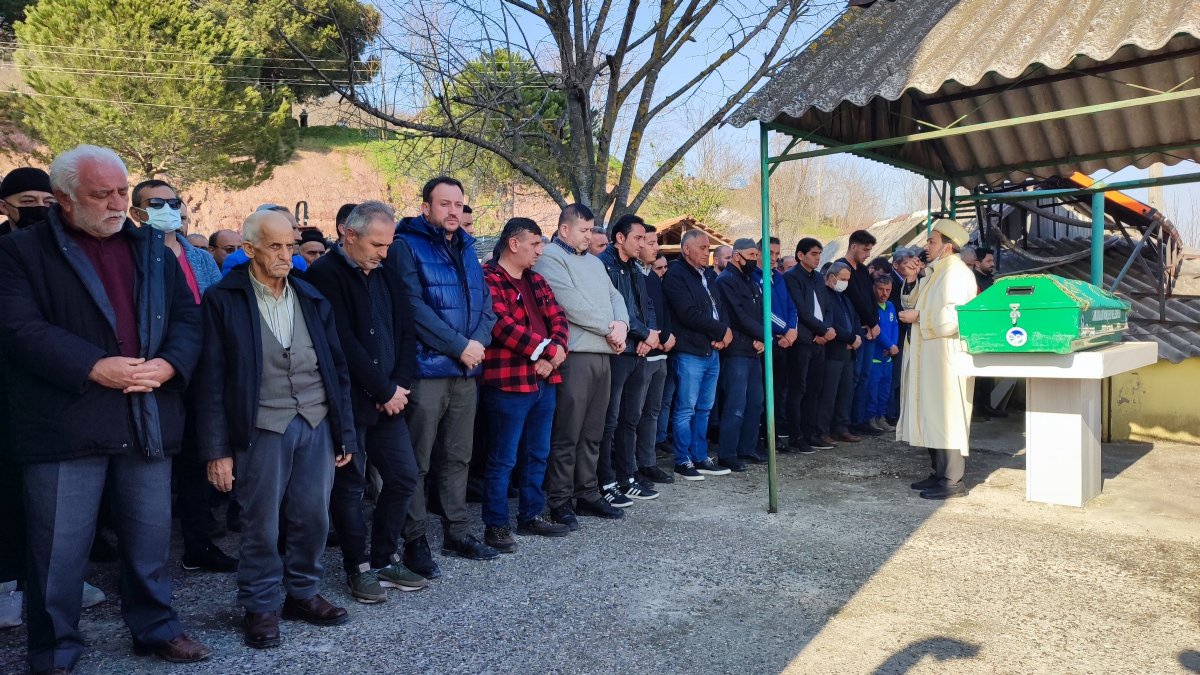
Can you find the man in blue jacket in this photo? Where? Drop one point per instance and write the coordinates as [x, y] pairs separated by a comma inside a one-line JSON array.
[[886, 348], [784, 333], [452, 309], [100, 343]]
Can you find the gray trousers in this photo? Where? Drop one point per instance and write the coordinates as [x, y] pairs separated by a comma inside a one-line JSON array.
[[443, 416], [62, 503], [647, 427], [948, 466], [578, 427], [284, 477]]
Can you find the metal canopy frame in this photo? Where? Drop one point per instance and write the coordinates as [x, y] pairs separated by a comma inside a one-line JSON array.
[[949, 201]]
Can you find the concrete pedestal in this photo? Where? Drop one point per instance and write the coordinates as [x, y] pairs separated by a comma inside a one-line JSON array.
[[1062, 419]]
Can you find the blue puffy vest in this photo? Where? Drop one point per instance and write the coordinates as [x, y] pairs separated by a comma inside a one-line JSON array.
[[452, 285]]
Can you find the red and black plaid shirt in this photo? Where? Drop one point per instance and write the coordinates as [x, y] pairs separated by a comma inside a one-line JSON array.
[[506, 364]]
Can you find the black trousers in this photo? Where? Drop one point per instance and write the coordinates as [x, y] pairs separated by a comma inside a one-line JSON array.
[[805, 374], [388, 445], [948, 466]]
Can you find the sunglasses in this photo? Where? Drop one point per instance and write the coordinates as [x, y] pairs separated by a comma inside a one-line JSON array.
[[159, 202]]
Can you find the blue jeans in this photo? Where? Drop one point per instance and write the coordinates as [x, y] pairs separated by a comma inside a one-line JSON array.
[[512, 416], [695, 393], [668, 401], [862, 381], [743, 394], [62, 504]]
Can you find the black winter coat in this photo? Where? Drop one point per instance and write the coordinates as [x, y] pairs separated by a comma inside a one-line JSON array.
[[231, 366], [658, 302], [861, 293], [346, 289], [690, 309], [743, 304], [807, 289], [57, 323], [842, 315], [629, 282]]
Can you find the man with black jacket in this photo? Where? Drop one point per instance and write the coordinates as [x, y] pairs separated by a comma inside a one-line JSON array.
[[806, 362], [838, 385], [657, 370], [617, 465], [100, 341], [701, 331], [274, 394], [374, 323], [861, 294], [741, 362]]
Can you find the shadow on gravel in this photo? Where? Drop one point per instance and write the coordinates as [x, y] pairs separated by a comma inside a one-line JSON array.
[[940, 648], [1190, 660]]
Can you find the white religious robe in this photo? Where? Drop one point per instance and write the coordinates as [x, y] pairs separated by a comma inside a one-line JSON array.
[[935, 408]]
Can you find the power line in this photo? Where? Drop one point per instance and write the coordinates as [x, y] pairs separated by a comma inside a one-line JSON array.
[[149, 105], [31, 45], [156, 76], [72, 54]]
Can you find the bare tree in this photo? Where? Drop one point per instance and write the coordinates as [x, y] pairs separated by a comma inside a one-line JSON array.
[[595, 88]]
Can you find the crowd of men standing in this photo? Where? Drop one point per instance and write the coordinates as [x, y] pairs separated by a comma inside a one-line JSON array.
[[280, 368]]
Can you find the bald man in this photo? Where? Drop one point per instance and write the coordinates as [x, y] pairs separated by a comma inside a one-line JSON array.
[[274, 394]]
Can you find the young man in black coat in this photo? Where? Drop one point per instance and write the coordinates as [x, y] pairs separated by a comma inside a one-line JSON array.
[[806, 363], [375, 328], [101, 340]]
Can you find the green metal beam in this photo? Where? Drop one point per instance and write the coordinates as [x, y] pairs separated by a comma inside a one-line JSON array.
[[769, 367], [1098, 239], [795, 139], [1025, 166], [1019, 196], [821, 140], [858, 148]]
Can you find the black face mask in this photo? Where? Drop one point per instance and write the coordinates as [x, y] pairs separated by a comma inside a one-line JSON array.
[[748, 266], [31, 215]]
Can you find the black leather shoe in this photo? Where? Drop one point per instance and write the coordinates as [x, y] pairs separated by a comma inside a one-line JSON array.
[[599, 509], [211, 559], [316, 610], [929, 482], [733, 464], [418, 558], [261, 630], [564, 515], [994, 412], [470, 548], [755, 459], [945, 492]]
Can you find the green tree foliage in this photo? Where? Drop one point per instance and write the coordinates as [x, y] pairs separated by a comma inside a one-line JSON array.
[[167, 86], [334, 34], [681, 195], [503, 97]]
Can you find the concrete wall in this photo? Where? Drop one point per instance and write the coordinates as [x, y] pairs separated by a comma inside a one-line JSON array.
[[1160, 402]]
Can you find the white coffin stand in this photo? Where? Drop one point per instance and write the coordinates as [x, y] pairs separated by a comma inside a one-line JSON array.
[[1062, 421]]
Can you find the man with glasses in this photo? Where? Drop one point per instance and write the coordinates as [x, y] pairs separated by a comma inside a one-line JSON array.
[[222, 244], [25, 198]]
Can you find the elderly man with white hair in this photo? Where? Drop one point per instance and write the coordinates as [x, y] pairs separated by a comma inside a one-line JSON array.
[[274, 395], [101, 341]]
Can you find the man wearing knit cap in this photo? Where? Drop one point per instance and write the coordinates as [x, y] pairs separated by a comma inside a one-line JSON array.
[[25, 198], [936, 411]]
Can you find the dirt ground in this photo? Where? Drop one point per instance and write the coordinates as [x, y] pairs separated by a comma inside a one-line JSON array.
[[855, 574]]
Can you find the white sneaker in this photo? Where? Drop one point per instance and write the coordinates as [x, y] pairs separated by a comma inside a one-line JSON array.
[[10, 605], [92, 596]]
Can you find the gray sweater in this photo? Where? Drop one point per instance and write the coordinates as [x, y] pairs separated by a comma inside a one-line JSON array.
[[586, 294]]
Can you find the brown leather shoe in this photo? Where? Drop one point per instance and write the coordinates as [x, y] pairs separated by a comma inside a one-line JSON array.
[[846, 437], [182, 649], [316, 610], [825, 443], [261, 630]]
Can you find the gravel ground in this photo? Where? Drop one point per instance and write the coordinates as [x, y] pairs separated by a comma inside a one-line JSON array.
[[853, 575]]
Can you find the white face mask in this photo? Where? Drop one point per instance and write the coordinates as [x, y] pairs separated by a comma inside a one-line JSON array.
[[840, 286], [164, 218]]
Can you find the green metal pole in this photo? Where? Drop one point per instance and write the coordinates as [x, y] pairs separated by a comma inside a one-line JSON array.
[[769, 368], [1098, 239]]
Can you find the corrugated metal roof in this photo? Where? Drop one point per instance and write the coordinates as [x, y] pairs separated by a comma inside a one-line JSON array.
[[1178, 336], [905, 230], [878, 70]]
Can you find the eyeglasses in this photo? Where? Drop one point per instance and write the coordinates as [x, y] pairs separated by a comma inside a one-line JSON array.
[[159, 202], [229, 249]]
